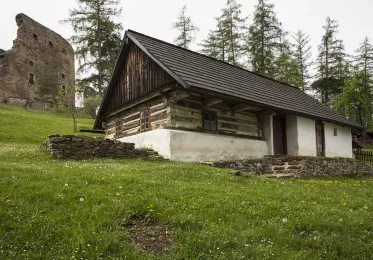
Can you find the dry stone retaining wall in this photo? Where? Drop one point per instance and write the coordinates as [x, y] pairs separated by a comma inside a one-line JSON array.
[[299, 166], [82, 147]]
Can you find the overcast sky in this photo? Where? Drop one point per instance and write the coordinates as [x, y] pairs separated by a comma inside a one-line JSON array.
[[155, 17]]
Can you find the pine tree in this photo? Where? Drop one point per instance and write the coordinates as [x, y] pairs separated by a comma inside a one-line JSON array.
[[216, 44], [97, 40], [265, 39], [356, 99], [302, 53], [210, 46], [364, 56], [287, 70], [232, 27], [331, 63], [185, 28]]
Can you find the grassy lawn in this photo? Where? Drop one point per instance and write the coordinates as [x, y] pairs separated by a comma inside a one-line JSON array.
[[62, 209]]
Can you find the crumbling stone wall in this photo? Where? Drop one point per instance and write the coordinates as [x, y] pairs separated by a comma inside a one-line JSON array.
[[299, 166], [36, 51], [82, 147]]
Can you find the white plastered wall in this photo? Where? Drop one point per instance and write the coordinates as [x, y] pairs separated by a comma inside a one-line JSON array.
[[266, 124], [306, 136], [301, 136], [340, 145], [198, 147], [159, 140]]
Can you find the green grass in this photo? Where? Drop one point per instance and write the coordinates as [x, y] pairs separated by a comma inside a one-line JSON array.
[[63, 209]]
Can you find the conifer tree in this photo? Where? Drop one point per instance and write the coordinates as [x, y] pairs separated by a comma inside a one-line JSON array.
[[364, 56], [210, 46], [185, 28], [287, 70], [232, 27], [331, 63], [97, 40], [356, 99], [265, 39], [216, 44], [302, 54]]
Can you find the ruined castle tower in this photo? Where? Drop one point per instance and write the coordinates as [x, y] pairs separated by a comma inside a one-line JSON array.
[[36, 51]]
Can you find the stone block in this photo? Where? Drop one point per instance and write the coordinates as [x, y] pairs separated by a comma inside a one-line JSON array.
[[294, 167]]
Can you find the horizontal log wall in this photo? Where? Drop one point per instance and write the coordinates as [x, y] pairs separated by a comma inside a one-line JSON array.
[[159, 117], [187, 115]]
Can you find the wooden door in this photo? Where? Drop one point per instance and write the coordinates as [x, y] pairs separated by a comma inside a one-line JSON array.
[[279, 135], [320, 139]]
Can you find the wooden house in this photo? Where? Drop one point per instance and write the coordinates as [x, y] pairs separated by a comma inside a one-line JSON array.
[[190, 107]]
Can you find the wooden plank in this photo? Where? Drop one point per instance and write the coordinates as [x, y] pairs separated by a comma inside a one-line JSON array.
[[130, 116], [134, 103], [158, 112], [242, 107], [212, 101], [177, 95]]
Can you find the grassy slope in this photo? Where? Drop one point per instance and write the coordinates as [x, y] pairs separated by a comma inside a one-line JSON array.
[[65, 209]]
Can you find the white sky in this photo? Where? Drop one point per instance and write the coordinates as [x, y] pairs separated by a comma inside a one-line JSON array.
[[155, 17]]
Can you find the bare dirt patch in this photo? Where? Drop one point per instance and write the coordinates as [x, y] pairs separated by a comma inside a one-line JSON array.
[[150, 234]]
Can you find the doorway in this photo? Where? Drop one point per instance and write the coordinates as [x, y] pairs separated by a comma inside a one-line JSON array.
[[279, 135], [320, 139]]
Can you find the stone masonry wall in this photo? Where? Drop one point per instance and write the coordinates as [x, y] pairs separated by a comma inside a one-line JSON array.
[[37, 53], [82, 147], [299, 166]]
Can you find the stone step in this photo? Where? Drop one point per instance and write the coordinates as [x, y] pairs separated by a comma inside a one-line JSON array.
[[281, 176]]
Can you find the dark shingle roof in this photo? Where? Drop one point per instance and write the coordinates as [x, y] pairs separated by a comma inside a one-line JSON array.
[[196, 70]]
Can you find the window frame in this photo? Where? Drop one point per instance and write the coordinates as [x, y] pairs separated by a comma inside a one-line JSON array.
[[209, 128], [31, 78], [145, 124], [335, 131]]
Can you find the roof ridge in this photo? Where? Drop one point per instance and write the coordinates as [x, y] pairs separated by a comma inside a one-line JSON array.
[[203, 55]]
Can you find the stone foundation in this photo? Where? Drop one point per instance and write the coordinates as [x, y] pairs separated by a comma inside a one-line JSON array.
[[82, 147], [299, 166]]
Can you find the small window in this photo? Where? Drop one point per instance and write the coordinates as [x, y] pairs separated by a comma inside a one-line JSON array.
[[64, 51], [31, 79], [63, 76], [51, 44], [31, 63], [144, 121], [335, 131], [118, 128], [35, 36], [209, 121]]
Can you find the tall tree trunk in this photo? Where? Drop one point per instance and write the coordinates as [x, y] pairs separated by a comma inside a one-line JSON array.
[[99, 67]]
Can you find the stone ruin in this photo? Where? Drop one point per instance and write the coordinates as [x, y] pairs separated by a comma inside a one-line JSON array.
[[37, 52]]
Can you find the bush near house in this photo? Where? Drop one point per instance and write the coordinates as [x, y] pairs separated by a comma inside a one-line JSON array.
[[103, 208]]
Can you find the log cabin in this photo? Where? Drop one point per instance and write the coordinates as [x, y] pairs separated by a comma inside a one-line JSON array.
[[190, 107]]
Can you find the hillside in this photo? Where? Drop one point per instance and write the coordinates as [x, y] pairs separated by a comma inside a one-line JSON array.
[[135, 209]]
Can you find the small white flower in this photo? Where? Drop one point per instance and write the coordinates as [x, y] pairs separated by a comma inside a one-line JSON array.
[[284, 220], [66, 184], [81, 199]]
